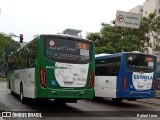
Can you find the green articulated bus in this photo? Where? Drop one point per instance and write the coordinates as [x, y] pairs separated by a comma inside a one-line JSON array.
[[59, 67]]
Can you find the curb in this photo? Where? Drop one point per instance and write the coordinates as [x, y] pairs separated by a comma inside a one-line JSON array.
[[149, 102], [1, 118]]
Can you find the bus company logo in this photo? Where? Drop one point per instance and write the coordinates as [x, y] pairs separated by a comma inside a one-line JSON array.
[[51, 43], [143, 77], [53, 82], [141, 72], [6, 114], [21, 114], [130, 58]]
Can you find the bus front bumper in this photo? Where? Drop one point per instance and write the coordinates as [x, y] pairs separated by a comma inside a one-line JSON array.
[[75, 94], [137, 94]]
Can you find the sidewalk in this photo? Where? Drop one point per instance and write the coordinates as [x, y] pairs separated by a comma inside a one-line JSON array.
[[155, 101]]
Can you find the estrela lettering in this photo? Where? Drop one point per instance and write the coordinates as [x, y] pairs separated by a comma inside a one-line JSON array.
[[143, 77]]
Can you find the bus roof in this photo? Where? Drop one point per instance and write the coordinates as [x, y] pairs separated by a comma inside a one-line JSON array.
[[63, 35], [105, 55], [56, 35], [102, 54]]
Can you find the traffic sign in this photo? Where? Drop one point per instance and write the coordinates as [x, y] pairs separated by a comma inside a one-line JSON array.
[[120, 18], [128, 19]]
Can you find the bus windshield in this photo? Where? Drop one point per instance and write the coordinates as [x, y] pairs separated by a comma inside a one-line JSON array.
[[140, 62], [67, 50]]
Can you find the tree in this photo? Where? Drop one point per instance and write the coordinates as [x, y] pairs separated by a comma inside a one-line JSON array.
[[152, 22], [7, 45], [113, 39]]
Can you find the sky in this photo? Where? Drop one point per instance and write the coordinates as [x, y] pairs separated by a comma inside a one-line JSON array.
[[32, 17]]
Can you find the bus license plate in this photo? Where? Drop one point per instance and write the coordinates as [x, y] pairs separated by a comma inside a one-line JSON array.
[[67, 94]]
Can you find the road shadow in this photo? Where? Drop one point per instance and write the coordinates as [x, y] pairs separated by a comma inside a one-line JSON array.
[[49, 108], [42, 104], [123, 104]]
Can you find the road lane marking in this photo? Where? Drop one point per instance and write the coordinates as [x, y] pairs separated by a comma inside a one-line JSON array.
[[87, 104], [134, 118], [1, 118]]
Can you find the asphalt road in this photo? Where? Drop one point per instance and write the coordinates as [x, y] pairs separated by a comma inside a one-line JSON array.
[[84, 109]]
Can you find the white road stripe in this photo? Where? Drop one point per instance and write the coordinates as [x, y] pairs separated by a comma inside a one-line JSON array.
[[135, 118], [87, 104], [1, 118]]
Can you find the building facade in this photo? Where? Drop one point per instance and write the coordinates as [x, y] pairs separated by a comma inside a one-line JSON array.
[[138, 9], [149, 6]]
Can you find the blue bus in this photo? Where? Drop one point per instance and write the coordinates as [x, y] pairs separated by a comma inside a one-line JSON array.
[[126, 75]]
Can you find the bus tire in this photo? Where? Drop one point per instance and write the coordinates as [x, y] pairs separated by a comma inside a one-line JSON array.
[[60, 102], [64, 101], [10, 88], [97, 98], [116, 100], [22, 99], [12, 92]]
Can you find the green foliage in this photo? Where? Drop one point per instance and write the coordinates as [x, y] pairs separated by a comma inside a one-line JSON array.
[[6, 42], [2, 78], [112, 39], [94, 36]]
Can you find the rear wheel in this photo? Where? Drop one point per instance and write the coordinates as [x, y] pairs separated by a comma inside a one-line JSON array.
[[116, 100], [63, 101], [12, 92], [9, 86], [98, 98], [22, 99]]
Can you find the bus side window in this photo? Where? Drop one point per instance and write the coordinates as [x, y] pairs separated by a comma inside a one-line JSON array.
[[108, 66], [96, 70], [33, 50], [96, 67], [101, 67], [113, 66]]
